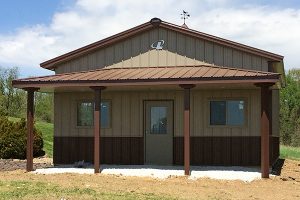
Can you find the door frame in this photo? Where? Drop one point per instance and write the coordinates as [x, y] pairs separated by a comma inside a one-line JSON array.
[[144, 123]]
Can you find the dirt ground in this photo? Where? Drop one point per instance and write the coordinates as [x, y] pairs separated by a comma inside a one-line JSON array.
[[286, 186]]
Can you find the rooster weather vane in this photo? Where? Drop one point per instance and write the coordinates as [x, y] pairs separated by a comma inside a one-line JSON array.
[[184, 15]]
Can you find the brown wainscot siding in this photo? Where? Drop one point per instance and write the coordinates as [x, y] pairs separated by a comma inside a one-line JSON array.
[[225, 151], [222, 151], [114, 150]]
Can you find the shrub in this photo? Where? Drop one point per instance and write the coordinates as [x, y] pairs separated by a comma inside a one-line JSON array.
[[13, 138]]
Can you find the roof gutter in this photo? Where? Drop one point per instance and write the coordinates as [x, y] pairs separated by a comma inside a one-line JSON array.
[[143, 82]]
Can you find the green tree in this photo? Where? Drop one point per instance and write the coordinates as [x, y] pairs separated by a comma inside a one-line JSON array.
[[12, 99], [290, 109], [44, 106]]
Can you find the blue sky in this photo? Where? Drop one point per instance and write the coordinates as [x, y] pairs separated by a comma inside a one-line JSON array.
[[32, 31]]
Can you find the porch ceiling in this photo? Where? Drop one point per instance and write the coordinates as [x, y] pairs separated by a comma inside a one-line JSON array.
[[150, 76]]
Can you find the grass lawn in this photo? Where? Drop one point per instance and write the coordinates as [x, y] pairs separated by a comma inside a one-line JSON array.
[[290, 152], [28, 189], [47, 131]]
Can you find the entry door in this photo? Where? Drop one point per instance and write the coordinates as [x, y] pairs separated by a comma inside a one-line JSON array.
[[159, 132]]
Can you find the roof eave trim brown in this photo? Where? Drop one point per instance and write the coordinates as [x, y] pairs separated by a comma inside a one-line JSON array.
[[209, 80]]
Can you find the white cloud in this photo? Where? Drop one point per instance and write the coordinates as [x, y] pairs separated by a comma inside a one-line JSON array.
[[265, 27]]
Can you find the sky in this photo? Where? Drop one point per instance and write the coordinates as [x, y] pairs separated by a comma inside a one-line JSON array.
[[34, 31]]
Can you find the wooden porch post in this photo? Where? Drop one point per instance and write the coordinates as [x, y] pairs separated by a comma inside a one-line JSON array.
[[265, 129], [97, 127], [186, 122], [30, 120]]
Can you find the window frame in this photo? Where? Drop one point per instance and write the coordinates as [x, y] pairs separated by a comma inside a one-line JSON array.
[[92, 126], [155, 133], [244, 125]]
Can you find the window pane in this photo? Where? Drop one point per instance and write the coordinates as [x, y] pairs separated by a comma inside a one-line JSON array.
[[105, 114], [158, 121], [217, 113], [85, 114], [235, 112]]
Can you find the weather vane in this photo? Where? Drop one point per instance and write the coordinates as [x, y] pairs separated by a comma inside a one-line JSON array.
[[184, 15]]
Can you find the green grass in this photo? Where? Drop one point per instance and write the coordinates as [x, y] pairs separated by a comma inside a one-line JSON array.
[[290, 152], [47, 131], [41, 190]]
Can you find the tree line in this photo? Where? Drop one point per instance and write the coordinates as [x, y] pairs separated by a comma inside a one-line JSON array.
[[290, 109], [13, 103]]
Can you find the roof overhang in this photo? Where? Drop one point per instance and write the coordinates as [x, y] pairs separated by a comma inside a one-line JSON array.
[[150, 76]]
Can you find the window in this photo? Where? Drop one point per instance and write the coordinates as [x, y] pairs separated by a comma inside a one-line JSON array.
[[158, 120], [105, 114], [230, 112], [85, 114]]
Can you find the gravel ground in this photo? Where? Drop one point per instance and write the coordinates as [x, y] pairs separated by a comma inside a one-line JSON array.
[[15, 164], [222, 173]]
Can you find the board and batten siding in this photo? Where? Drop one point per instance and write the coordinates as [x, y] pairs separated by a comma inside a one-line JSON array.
[[127, 113], [178, 50]]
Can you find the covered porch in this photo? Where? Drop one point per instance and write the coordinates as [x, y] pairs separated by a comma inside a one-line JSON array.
[[185, 80]]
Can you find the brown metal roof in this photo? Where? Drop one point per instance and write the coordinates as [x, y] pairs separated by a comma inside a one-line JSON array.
[[155, 22], [151, 76]]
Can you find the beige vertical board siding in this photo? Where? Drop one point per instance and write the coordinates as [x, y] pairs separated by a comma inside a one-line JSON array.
[[144, 49], [209, 52], [116, 114], [228, 57], [126, 118], [127, 112], [247, 61], [180, 59], [171, 44], [179, 109], [153, 54], [275, 112], [256, 111], [199, 50], [237, 57], [127, 60], [264, 64], [207, 130], [73, 118], [84, 62], [100, 59], [135, 44], [135, 121], [109, 56], [92, 59], [118, 55], [66, 114], [178, 49], [190, 51], [256, 63], [163, 54], [196, 113], [218, 55]]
